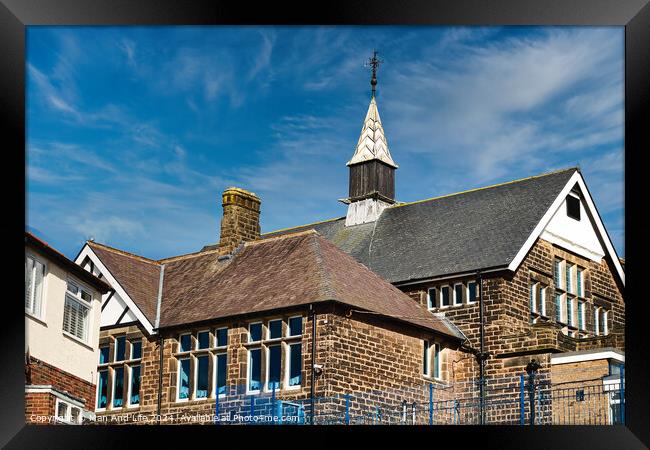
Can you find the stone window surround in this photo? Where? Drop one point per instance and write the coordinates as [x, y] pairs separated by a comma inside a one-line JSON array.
[[571, 298], [111, 365], [451, 284], [430, 360]]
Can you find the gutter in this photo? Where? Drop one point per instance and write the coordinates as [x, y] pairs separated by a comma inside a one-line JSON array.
[[448, 277]]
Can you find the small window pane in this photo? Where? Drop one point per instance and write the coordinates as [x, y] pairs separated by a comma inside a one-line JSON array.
[[471, 292], [103, 354], [203, 339], [75, 414], [62, 411], [444, 293], [557, 273], [275, 329], [221, 373], [295, 364], [579, 282], [72, 288], [120, 348], [458, 294], [118, 384], [86, 296], [255, 332], [295, 326], [436, 361], [255, 369], [275, 356], [425, 359], [222, 337], [135, 386], [558, 307], [136, 350], [103, 388], [186, 343], [569, 312], [431, 298], [573, 207], [184, 378], [202, 365]]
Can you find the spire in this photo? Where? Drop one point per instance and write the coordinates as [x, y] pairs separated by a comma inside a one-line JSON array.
[[372, 142]]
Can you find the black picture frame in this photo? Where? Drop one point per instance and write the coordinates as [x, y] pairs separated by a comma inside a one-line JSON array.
[[634, 15]]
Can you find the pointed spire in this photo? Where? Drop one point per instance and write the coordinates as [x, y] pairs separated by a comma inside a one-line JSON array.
[[372, 141]]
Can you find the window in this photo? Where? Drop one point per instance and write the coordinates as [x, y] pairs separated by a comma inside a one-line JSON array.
[[274, 354], [75, 312], [542, 301], [118, 387], [431, 298], [295, 364], [67, 413], [603, 321], [458, 294], [134, 386], [579, 282], [568, 278], [471, 292], [425, 359], [34, 276], [183, 378], [569, 313], [275, 329], [136, 350], [444, 296], [559, 308], [581, 315], [185, 343], [202, 376], [103, 354], [431, 365], [102, 388], [222, 337], [221, 371], [295, 326], [557, 273], [203, 339], [255, 332], [573, 207], [533, 297], [254, 369], [120, 348], [597, 321]]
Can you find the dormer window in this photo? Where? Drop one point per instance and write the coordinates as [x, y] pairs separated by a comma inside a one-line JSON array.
[[573, 207]]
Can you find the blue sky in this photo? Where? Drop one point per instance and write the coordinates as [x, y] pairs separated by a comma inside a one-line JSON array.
[[134, 132]]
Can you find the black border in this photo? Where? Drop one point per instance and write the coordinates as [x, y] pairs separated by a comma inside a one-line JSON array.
[[633, 14]]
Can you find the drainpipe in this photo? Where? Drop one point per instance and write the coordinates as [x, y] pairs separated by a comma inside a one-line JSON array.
[[482, 355], [312, 314], [160, 372]]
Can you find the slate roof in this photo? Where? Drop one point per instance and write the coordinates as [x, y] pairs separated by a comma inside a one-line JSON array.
[[138, 276], [457, 233], [288, 271]]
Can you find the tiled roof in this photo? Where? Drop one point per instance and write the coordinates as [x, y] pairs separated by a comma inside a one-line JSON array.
[[458, 233], [270, 274], [138, 276]]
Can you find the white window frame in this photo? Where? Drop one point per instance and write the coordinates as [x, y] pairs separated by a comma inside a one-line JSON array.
[[542, 301], [41, 315], [194, 361], [454, 299], [108, 400], [180, 350], [570, 304], [597, 321], [583, 316], [179, 359], [434, 363], [533, 295], [131, 358], [470, 302], [215, 371], [129, 379], [249, 370], [431, 301], [287, 370], [580, 287], [84, 304], [302, 323], [561, 284], [126, 342], [268, 329], [606, 323], [113, 381], [449, 296], [267, 358], [216, 334], [68, 415], [197, 340], [261, 332]]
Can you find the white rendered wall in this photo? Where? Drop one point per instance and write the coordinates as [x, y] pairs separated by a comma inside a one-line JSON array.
[[577, 236], [45, 337], [364, 211]]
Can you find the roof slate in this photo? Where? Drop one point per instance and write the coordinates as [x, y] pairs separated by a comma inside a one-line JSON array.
[[459, 233], [137, 275], [289, 271]]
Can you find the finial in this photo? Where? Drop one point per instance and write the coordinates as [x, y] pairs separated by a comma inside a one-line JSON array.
[[374, 63]]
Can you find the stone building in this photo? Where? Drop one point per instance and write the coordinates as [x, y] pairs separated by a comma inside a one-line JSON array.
[[62, 310], [403, 298]]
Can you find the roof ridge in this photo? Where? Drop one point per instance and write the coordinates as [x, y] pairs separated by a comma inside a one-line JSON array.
[[505, 183], [282, 236], [188, 256], [304, 225], [124, 253]]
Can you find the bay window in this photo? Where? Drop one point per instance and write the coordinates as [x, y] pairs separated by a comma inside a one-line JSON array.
[[76, 311]]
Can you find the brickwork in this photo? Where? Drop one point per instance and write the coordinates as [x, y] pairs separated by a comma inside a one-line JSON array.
[[39, 404], [241, 218], [41, 373]]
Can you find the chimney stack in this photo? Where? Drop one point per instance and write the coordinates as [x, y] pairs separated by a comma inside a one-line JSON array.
[[241, 218]]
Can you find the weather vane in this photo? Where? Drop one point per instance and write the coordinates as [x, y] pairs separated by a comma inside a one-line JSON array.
[[374, 63]]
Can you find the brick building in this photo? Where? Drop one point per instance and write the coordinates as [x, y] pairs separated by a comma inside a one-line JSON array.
[[62, 310], [404, 298]]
